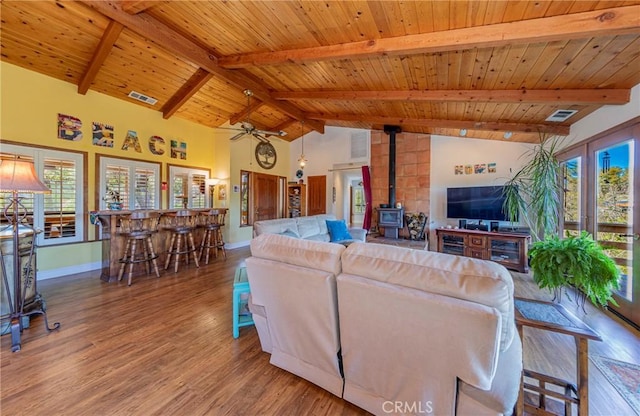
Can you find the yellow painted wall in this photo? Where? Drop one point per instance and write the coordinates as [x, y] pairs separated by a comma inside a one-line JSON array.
[[29, 107]]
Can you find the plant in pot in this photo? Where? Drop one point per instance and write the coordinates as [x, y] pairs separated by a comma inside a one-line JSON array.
[[578, 262], [534, 194]]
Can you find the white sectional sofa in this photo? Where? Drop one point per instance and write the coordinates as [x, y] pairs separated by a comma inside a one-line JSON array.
[[390, 329], [308, 228]]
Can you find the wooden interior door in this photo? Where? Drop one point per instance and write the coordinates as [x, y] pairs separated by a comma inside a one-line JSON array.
[[265, 195], [317, 195]]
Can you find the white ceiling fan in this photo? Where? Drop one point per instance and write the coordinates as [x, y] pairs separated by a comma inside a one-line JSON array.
[[249, 129]]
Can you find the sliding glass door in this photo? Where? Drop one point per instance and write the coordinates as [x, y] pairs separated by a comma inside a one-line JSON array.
[[602, 196], [574, 185], [616, 195]]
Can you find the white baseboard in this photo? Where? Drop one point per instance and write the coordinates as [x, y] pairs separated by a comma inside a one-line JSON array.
[[87, 267], [66, 271]]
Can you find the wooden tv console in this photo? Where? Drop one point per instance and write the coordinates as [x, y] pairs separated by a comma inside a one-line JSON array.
[[508, 249]]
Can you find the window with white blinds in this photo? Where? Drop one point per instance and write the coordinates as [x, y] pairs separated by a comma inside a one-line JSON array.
[[131, 182], [58, 214], [198, 191], [188, 188]]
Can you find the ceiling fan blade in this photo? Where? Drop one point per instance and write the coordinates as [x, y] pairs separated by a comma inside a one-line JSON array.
[[229, 128], [280, 133], [260, 137], [239, 135]]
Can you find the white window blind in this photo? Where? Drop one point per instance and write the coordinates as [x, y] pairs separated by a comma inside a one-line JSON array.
[[145, 189], [198, 191], [117, 183], [60, 204], [133, 181], [179, 191], [188, 188], [58, 214]]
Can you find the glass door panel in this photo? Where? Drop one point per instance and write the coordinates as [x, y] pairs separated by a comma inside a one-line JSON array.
[[616, 229], [572, 206]]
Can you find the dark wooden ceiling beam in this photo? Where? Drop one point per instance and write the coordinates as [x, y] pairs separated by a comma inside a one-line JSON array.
[[244, 114], [284, 126], [605, 22], [451, 124], [137, 6], [178, 44], [103, 50], [188, 89], [574, 96]]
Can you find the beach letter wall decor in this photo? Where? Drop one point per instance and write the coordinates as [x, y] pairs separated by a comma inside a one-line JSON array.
[[102, 134], [156, 145], [69, 127], [178, 150], [132, 140]]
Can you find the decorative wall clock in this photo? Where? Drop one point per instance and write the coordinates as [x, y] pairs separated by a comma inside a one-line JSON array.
[[266, 155], [299, 173]]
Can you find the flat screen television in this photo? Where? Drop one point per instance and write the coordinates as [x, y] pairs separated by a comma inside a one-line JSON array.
[[476, 203]]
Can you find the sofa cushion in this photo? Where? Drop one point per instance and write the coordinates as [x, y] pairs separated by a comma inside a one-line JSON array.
[[505, 386], [290, 233], [307, 226], [322, 221], [274, 226], [319, 237], [299, 252], [338, 230], [480, 281]]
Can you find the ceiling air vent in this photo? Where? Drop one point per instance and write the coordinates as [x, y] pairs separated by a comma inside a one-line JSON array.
[[561, 115], [359, 144], [143, 98]]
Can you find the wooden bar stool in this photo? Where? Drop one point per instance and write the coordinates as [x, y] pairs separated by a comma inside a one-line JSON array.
[[212, 222], [139, 226], [181, 224]]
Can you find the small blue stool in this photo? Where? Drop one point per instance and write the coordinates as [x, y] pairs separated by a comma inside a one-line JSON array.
[[241, 316]]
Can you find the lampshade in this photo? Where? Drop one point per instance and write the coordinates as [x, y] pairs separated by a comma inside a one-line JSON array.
[[212, 181], [20, 176]]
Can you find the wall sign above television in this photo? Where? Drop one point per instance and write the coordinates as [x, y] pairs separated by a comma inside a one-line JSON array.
[[476, 203]]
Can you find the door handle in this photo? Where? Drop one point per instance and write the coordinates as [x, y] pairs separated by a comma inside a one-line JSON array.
[[634, 236]]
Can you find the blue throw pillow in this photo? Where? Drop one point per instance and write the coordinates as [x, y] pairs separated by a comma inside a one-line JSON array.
[[338, 230]]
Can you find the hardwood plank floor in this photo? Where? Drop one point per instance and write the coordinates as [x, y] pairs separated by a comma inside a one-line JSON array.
[[164, 347]]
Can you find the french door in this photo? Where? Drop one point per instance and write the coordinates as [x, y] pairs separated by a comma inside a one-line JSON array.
[[267, 196], [602, 196]]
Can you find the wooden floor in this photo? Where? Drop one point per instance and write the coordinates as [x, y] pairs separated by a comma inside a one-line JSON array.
[[164, 347]]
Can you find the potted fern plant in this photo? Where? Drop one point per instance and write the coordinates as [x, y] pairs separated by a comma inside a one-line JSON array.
[[578, 262]]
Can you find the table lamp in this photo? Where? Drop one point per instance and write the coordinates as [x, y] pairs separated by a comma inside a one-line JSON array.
[[18, 176]]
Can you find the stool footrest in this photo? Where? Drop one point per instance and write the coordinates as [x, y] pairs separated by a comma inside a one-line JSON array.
[[138, 260]]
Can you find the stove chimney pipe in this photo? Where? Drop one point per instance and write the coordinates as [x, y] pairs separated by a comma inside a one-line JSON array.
[[392, 131]]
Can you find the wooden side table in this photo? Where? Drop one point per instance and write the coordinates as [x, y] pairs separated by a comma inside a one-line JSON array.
[[554, 317]]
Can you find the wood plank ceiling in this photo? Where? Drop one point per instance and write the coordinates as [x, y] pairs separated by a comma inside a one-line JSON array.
[[488, 67]]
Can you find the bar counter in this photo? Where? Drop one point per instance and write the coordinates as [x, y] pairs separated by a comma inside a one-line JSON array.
[[113, 244]]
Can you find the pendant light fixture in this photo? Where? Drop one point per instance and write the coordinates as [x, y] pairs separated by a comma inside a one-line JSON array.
[[302, 160]]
